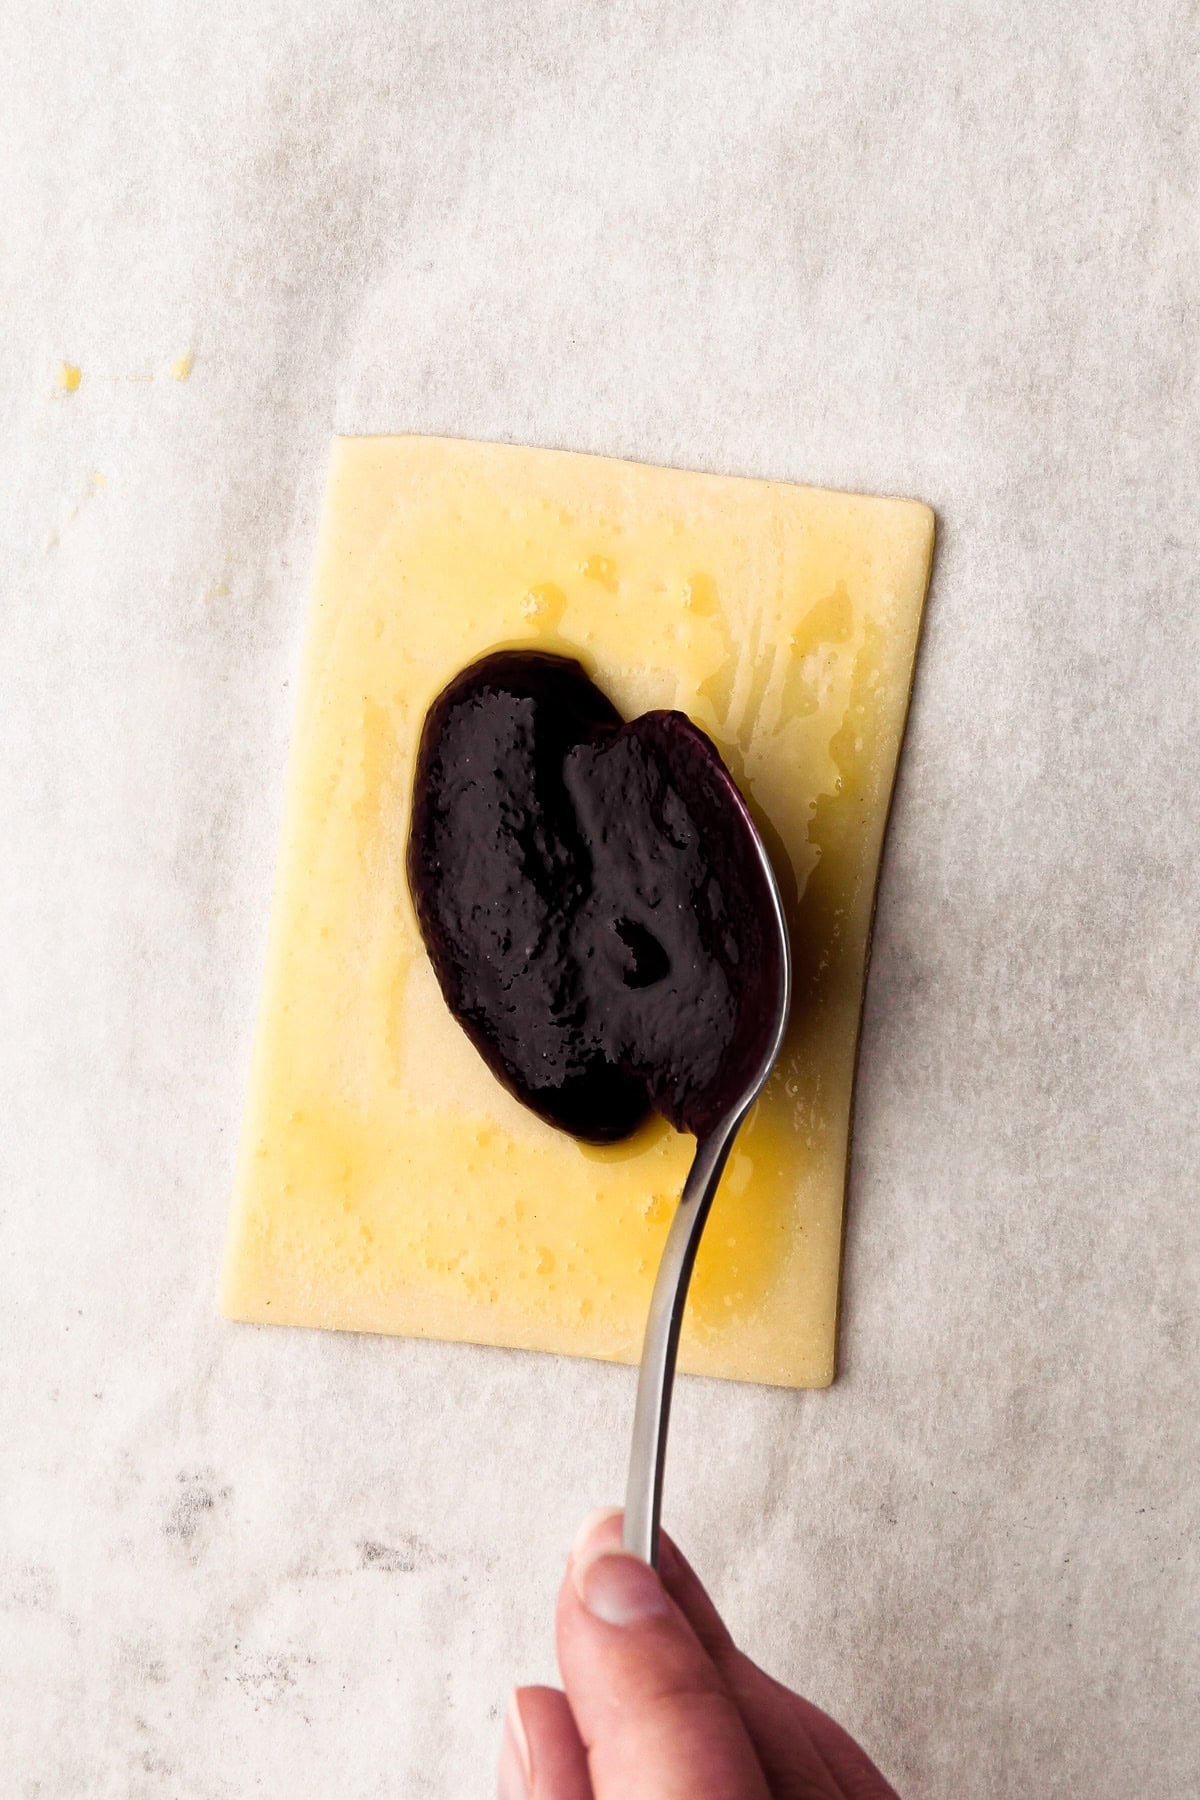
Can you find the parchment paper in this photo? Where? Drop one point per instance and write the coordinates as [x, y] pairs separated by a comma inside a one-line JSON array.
[[942, 250]]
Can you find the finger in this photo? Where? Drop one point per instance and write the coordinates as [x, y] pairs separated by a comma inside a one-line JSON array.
[[655, 1717], [541, 1753], [794, 1739], [691, 1596], [852, 1769]]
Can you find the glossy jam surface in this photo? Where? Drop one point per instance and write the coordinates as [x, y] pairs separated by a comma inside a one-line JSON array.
[[591, 897]]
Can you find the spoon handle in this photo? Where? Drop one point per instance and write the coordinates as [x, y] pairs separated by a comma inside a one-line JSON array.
[[656, 1377]]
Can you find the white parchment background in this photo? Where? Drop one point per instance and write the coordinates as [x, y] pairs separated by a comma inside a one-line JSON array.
[[947, 250]]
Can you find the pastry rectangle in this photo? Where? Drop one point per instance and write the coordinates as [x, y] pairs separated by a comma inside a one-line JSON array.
[[386, 1182]]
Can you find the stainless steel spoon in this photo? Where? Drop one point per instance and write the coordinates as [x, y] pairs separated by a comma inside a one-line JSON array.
[[656, 1377]]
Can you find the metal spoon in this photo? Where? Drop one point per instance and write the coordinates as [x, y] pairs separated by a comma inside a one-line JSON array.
[[656, 1377]]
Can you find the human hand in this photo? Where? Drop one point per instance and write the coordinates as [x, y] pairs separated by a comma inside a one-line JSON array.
[[660, 1704]]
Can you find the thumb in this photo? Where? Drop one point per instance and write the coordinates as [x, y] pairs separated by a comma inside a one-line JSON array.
[[656, 1719]]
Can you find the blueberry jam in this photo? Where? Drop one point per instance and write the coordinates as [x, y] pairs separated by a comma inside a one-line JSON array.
[[592, 898]]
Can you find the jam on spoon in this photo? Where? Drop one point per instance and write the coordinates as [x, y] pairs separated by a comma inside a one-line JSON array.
[[591, 896]]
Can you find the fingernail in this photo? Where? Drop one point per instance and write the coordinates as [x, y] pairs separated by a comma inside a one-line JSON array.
[[516, 1772], [595, 1519], [619, 1589]]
